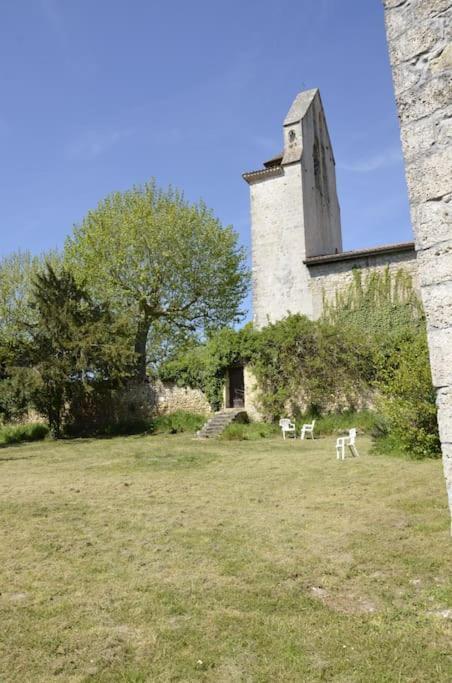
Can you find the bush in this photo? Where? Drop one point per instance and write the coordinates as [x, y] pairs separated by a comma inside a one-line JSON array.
[[178, 422], [301, 364], [249, 432], [407, 403], [10, 434]]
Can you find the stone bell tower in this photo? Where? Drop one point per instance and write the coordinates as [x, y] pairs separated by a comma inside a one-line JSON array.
[[294, 213]]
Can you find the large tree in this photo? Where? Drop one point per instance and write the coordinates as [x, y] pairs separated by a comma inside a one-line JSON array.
[[73, 347], [170, 264]]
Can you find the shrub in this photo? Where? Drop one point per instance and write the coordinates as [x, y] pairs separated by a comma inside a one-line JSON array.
[[301, 363], [177, 422], [407, 402], [10, 434]]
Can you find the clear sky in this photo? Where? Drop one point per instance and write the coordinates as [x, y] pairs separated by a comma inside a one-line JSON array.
[[98, 95]]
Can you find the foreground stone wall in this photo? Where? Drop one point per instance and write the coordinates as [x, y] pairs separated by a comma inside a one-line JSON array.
[[419, 36], [329, 278]]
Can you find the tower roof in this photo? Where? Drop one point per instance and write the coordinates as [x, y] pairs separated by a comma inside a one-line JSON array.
[[300, 106]]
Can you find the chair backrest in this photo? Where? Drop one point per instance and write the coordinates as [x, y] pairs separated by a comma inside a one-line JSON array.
[[284, 422], [352, 435], [312, 424]]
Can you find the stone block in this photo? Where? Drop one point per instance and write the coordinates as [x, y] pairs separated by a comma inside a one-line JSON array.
[[438, 304], [429, 177], [432, 222], [427, 135], [443, 62], [417, 40], [424, 99], [435, 264], [440, 346], [444, 404], [404, 76], [422, 10], [408, 12]]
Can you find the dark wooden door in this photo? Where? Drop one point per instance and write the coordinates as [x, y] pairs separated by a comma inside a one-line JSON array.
[[236, 388]]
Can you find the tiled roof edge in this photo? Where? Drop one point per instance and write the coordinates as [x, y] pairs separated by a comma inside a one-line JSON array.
[[262, 173], [360, 253]]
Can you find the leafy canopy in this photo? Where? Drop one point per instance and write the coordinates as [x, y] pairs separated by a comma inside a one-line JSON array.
[[168, 263], [74, 346]]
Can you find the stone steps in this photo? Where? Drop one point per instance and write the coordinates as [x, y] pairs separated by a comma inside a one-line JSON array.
[[218, 422]]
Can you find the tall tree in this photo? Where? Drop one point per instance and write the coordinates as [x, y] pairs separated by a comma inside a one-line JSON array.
[[74, 345], [17, 271], [169, 264]]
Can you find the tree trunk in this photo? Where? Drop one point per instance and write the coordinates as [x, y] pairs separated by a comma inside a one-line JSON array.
[[141, 338]]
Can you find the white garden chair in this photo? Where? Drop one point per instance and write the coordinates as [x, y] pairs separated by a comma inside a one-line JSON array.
[[348, 441], [308, 428], [287, 427]]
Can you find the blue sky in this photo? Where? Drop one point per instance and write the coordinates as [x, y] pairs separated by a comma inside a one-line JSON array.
[[98, 95]]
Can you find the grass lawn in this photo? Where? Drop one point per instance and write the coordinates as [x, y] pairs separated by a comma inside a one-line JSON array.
[[166, 559]]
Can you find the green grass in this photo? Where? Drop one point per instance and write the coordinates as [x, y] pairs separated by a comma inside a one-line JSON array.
[[161, 558]]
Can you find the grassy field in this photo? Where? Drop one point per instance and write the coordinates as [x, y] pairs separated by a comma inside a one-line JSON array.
[[166, 559]]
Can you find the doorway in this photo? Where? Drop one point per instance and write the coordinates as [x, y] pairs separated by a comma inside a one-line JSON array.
[[236, 388]]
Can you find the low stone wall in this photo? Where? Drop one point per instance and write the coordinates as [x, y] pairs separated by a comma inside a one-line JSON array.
[[168, 398]]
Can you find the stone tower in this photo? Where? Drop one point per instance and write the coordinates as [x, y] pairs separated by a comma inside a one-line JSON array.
[[295, 213]]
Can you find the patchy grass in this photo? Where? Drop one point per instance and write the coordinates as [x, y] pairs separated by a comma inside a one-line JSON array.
[[162, 558]]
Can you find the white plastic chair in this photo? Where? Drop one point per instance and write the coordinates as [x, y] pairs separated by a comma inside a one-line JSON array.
[[308, 428], [344, 441], [287, 427]]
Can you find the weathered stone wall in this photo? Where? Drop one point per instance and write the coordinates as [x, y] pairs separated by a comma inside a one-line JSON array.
[[168, 398], [328, 278], [419, 36], [252, 406]]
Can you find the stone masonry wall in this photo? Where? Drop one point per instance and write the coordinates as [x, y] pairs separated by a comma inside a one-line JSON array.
[[328, 278], [169, 397], [419, 36]]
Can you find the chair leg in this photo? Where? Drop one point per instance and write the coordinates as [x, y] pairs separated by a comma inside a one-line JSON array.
[[343, 451], [354, 451]]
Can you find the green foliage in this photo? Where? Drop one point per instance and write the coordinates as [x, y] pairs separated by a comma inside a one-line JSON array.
[[300, 363], [168, 264], [381, 309], [17, 386], [10, 434], [407, 401], [179, 421], [74, 348], [249, 432], [384, 311], [377, 303]]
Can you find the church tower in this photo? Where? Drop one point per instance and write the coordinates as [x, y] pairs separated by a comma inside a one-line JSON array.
[[295, 213]]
